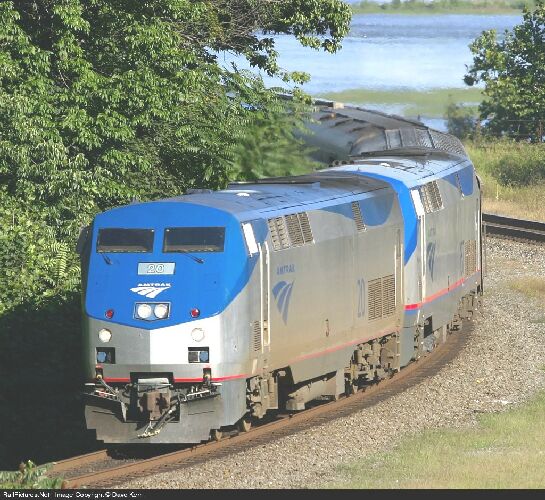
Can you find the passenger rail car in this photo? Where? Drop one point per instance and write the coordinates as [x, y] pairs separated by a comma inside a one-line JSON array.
[[207, 310]]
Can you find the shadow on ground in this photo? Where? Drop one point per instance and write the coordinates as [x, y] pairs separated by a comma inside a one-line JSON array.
[[41, 413]]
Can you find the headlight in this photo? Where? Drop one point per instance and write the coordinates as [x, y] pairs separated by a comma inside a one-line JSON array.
[[197, 334], [105, 335], [161, 311], [143, 311]]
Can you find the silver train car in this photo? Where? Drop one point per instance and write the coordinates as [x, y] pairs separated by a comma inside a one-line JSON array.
[[207, 310]]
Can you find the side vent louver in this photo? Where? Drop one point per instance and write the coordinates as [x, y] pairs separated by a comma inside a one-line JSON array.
[[279, 233], [294, 230], [431, 197], [470, 257], [381, 297], [375, 299], [256, 334], [305, 227], [290, 231], [388, 295], [358, 219]]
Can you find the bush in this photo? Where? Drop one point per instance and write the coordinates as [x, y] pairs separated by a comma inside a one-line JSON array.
[[29, 476], [461, 120], [520, 166], [510, 163]]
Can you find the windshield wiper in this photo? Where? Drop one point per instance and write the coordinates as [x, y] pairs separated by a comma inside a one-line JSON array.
[[196, 259]]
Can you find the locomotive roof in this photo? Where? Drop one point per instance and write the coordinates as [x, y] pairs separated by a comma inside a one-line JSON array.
[[322, 187], [412, 166], [319, 188]]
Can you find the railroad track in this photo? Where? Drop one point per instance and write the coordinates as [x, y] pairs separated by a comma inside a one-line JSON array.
[[100, 470], [516, 229]]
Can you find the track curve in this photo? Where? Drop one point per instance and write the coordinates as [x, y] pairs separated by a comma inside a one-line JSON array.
[[109, 472]]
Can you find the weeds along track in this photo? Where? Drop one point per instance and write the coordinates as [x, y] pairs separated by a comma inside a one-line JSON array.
[[104, 470], [514, 229]]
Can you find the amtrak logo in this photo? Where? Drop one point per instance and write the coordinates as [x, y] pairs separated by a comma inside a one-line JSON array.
[[282, 294], [150, 290], [430, 251]]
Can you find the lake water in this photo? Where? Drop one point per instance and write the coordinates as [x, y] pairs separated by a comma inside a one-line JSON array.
[[392, 52]]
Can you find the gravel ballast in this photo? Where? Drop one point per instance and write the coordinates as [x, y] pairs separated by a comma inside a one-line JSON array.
[[500, 367]]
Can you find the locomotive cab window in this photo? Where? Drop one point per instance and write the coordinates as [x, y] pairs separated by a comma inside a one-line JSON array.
[[125, 240], [194, 239]]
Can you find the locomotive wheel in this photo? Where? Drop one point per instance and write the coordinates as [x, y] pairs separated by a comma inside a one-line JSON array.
[[244, 425], [216, 435]]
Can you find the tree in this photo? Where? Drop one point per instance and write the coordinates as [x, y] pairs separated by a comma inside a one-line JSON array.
[[105, 101], [460, 120], [513, 72]]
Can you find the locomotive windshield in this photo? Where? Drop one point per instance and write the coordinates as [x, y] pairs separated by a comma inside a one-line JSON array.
[[194, 239], [125, 240]]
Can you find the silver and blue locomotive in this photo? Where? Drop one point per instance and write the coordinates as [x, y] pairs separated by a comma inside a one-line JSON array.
[[207, 310]]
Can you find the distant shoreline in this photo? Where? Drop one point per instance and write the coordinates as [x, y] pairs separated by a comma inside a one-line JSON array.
[[478, 7], [430, 102]]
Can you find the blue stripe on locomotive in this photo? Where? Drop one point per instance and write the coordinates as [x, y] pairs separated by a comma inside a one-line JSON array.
[[209, 286], [376, 209], [410, 219], [465, 176]]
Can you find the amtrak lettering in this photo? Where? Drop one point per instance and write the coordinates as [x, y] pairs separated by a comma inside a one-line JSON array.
[[287, 268]]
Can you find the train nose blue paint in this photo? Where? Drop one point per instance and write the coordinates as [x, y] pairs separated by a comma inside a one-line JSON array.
[[120, 278]]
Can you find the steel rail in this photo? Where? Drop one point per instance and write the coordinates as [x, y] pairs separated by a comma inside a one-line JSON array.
[[512, 228], [79, 461], [287, 424]]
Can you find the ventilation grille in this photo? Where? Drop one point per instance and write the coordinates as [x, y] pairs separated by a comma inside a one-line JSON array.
[[431, 197], [290, 231], [279, 233], [305, 228], [388, 295], [470, 257], [358, 219], [256, 332], [447, 142], [423, 138], [382, 297], [375, 299]]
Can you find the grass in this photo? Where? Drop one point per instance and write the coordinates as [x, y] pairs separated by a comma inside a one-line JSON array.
[[523, 201], [506, 450], [530, 286], [442, 7], [432, 103]]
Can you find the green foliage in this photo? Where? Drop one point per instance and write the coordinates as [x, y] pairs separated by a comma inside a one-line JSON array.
[[513, 72], [269, 148], [460, 120], [29, 476], [103, 101], [510, 163], [520, 168]]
